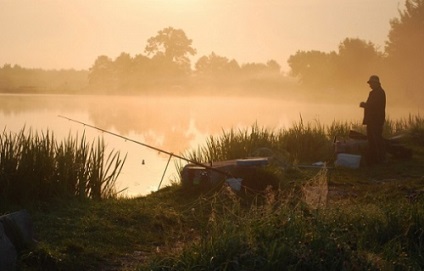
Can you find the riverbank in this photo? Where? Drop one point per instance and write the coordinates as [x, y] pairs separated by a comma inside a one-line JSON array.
[[368, 218], [331, 218]]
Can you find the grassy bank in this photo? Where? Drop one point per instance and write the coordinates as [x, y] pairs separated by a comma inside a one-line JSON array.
[[319, 219]]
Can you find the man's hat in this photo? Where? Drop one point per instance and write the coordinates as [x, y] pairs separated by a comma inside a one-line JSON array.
[[374, 79]]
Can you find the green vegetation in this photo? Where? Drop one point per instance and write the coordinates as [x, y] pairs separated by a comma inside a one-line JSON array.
[[319, 219], [303, 142], [35, 167]]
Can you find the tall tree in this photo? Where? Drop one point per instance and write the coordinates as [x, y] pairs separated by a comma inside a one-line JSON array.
[[141, 72], [123, 68], [405, 47], [173, 45], [101, 76], [356, 60], [216, 70], [212, 64], [313, 68], [273, 67]]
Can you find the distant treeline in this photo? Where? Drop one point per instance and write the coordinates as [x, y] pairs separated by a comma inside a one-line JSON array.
[[143, 74], [165, 67], [400, 64], [16, 79]]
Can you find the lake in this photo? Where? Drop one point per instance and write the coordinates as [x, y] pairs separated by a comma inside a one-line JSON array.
[[173, 124]]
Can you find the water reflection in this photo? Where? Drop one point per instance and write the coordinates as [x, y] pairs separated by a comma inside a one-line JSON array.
[[174, 124]]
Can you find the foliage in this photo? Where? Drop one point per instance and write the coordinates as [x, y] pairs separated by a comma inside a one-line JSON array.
[[400, 65], [404, 48], [313, 68], [331, 219], [281, 232], [301, 143], [216, 70], [35, 168], [355, 60], [18, 79], [172, 44], [102, 73], [167, 67], [235, 144], [415, 126]]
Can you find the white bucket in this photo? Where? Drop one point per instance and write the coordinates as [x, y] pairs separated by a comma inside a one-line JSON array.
[[348, 160]]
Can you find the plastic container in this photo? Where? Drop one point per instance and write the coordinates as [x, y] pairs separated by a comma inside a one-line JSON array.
[[260, 161], [348, 160]]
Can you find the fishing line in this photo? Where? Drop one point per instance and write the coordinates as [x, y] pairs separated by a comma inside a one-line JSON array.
[[151, 147]]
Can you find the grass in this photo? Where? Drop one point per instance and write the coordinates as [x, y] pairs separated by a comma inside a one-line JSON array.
[[330, 219], [302, 143], [35, 167], [284, 231]]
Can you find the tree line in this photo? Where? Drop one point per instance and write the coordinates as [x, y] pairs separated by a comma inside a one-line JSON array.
[[165, 66], [400, 63], [16, 79]]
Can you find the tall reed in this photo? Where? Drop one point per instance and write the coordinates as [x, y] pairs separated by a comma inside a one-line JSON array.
[[415, 126], [36, 167], [300, 143], [301, 229]]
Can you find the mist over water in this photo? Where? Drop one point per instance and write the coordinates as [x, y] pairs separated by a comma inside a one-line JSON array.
[[173, 124]]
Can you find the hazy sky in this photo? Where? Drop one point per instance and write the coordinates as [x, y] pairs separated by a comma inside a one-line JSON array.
[[56, 34]]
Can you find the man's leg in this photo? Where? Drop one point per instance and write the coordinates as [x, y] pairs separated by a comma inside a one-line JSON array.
[[377, 152], [372, 145], [381, 148]]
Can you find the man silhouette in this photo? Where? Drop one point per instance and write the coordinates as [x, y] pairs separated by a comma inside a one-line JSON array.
[[374, 117]]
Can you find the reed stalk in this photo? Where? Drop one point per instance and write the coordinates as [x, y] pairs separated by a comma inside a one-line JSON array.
[[300, 143], [36, 167]]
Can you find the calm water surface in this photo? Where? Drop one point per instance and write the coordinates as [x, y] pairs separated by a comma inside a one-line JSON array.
[[174, 124]]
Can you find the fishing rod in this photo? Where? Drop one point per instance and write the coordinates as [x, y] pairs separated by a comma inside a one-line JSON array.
[[151, 147]]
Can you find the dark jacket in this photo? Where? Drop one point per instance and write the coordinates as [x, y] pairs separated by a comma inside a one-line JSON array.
[[375, 107]]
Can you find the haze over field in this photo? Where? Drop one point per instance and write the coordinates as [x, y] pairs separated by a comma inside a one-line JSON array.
[[72, 34]]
